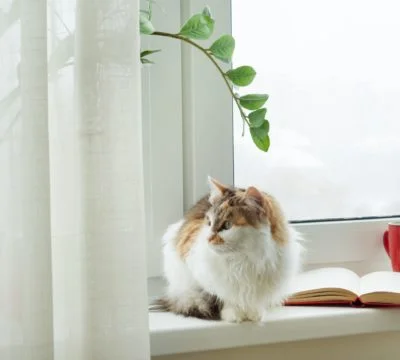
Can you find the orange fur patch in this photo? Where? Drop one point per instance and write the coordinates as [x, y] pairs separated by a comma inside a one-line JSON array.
[[240, 221], [277, 220], [187, 235], [225, 205]]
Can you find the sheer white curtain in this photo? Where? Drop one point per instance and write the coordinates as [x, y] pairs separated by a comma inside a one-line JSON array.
[[72, 268]]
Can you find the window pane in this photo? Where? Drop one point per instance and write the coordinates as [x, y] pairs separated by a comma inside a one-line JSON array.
[[332, 71]]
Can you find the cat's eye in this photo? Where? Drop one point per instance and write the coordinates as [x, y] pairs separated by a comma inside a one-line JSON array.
[[227, 225]]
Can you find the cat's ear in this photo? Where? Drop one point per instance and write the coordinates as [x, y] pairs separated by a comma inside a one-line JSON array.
[[255, 195], [216, 189]]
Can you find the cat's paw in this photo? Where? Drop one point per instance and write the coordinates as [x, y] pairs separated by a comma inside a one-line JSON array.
[[235, 315], [232, 314], [254, 316]]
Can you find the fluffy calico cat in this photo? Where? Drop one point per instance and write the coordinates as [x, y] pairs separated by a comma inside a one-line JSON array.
[[231, 257]]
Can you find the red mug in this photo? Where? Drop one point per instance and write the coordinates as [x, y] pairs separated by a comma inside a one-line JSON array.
[[391, 242]]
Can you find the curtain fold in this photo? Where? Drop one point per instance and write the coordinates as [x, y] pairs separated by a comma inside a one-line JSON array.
[[72, 242]]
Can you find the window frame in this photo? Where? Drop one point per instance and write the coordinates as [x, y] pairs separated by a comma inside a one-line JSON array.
[[162, 119], [176, 174], [201, 123]]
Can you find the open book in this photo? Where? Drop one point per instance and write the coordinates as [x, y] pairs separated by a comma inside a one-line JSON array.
[[342, 286]]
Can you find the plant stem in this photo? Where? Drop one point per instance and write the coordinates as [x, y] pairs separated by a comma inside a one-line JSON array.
[[206, 53], [150, 9]]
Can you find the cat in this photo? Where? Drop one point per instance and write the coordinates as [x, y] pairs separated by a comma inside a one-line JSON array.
[[231, 257]]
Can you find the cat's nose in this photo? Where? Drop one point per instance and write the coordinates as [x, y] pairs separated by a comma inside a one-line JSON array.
[[215, 239]]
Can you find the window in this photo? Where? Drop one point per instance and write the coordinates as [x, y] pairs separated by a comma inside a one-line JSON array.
[[330, 71]]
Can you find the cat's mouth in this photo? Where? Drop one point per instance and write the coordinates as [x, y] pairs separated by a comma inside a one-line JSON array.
[[221, 247]]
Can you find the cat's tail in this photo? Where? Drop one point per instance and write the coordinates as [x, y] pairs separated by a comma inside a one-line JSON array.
[[207, 307], [159, 305]]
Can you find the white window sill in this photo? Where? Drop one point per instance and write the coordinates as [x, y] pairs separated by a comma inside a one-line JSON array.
[[171, 334]]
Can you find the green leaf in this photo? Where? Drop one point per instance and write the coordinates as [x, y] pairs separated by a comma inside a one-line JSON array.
[[199, 27], [146, 61], [145, 53], [241, 76], [253, 101], [223, 48], [260, 136], [146, 27], [256, 118]]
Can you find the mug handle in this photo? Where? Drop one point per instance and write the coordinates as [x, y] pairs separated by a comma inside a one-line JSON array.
[[386, 242]]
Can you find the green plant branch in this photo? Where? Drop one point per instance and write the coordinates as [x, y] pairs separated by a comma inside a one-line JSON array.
[[206, 53], [200, 26]]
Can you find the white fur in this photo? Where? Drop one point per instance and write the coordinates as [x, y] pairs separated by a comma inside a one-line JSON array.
[[250, 272]]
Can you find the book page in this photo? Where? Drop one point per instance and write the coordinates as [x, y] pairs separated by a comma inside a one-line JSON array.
[[326, 278], [380, 281]]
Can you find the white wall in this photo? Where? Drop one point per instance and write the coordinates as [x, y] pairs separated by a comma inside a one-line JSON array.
[[380, 346]]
